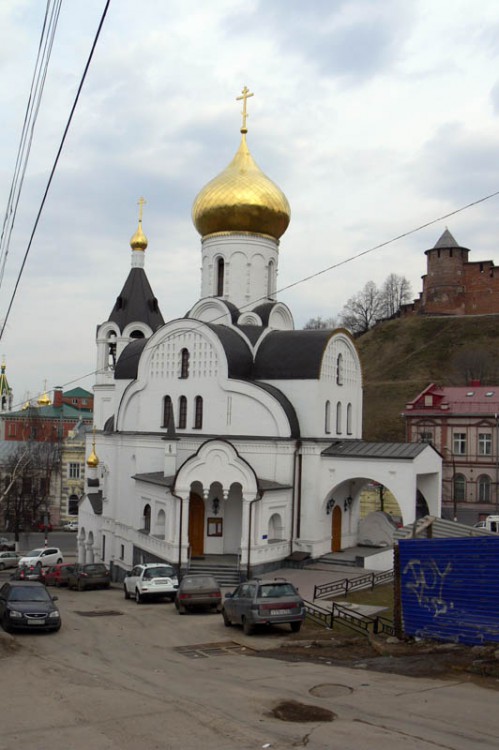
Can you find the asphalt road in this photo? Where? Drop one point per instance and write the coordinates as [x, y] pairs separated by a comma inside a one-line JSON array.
[[122, 676], [65, 540]]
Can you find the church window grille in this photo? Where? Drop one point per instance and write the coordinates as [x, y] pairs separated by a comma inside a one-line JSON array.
[[338, 418], [327, 418], [182, 412], [167, 410], [349, 419], [339, 369], [184, 363], [220, 277], [147, 519], [198, 413]]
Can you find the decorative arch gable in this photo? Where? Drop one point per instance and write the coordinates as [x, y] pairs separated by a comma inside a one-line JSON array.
[[341, 352], [216, 458]]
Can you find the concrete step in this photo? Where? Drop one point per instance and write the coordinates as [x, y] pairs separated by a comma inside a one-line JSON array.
[[226, 575]]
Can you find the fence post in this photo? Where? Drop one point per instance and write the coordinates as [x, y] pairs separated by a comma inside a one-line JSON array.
[[346, 586], [397, 593], [373, 581], [315, 592]]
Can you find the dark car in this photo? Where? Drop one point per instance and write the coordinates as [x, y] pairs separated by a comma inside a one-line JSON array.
[[27, 605], [57, 575], [198, 591], [264, 603], [89, 576]]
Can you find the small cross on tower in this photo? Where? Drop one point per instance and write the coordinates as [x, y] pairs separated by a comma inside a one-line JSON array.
[[245, 96], [141, 202]]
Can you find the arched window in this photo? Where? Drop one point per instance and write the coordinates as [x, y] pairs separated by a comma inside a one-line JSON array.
[[327, 418], [270, 279], [220, 277], [484, 489], [338, 418], [349, 419], [111, 350], [275, 529], [198, 413], [184, 363], [160, 525], [167, 411], [182, 412], [147, 519], [459, 488], [339, 369]]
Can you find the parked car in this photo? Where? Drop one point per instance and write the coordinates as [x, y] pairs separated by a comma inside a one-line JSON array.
[[57, 575], [198, 591], [71, 526], [9, 560], [27, 605], [264, 603], [29, 573], [42, 526], [42, 556], [88, 576], [151, 581], [7, 544]]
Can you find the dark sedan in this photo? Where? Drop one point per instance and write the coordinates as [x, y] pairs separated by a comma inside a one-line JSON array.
[[198, 591], [27, 605], [88, 576]]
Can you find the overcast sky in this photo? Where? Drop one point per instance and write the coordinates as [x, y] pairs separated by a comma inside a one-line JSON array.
[[373, 116]]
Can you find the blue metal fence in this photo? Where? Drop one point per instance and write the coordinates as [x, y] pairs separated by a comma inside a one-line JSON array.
[[450, 589]]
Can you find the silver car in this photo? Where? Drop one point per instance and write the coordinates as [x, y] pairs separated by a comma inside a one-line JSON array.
[[264, 603], [9, 560]]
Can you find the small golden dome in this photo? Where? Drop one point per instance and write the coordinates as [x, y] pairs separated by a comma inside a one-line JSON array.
[[139, 240], [92, 460], [44, 400], [241, 199]]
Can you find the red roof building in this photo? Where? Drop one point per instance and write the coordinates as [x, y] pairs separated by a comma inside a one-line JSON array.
[[462, 423]]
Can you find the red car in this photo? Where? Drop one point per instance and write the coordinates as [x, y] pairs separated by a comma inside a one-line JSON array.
[[44, 526], [57, 575]]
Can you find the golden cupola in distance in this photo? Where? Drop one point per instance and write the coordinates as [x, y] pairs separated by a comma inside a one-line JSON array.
[[241, 198]]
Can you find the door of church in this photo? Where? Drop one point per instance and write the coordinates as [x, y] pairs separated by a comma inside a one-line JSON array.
[[336, 529], [196, 525]]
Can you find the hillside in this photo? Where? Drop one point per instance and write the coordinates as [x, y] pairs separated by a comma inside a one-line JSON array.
[[401, 357]]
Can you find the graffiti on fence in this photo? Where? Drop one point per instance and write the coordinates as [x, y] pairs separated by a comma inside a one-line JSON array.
[[426, 580]]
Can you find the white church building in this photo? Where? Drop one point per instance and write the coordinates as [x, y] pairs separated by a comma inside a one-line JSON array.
[[227, 431]]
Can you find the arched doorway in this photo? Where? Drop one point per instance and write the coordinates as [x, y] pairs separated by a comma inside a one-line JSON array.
[[336, 529], [196, 525]]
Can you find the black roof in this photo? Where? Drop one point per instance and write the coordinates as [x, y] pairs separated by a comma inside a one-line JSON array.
[[291, 355], [95, 499], [239, 356], [264, 311], [362, 449], [127, 365], [137, 303], [252, 332]]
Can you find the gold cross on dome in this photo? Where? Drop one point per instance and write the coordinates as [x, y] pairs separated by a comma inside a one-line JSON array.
[[141, 202], [245, 96]]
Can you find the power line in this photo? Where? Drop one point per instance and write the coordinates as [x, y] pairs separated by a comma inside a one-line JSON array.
[[37, 86], [322, 271], [56, 161]]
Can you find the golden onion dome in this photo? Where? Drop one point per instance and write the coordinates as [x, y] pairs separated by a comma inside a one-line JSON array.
[[139, 240], [92, 460], [43, 400], [241, 199]]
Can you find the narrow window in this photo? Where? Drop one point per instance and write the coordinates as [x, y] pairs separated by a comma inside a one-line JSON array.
[[339, 370], [459, 488], [147, 519], [270, 279], [184, 363], [220, 277], [349, 419], [327, 418], [338, 418], [182, 412], [484, 489], [198, 413], [167, 411]]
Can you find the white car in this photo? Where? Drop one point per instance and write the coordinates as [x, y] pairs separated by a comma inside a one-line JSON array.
[[42, 556], [8, 560], [71, 526], [151, 581]]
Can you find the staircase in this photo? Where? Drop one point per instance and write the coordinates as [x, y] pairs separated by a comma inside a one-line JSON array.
[[225, 571]]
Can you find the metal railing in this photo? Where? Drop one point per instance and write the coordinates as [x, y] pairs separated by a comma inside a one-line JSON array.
[[354, 620], [368, 580]]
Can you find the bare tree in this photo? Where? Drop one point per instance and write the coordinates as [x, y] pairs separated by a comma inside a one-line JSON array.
[[314, 324], [362, 310], [473, 364], [395, 292]]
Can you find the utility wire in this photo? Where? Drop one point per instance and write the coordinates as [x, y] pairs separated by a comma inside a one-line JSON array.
[[318, 273], [30, 118], [66, 129]]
